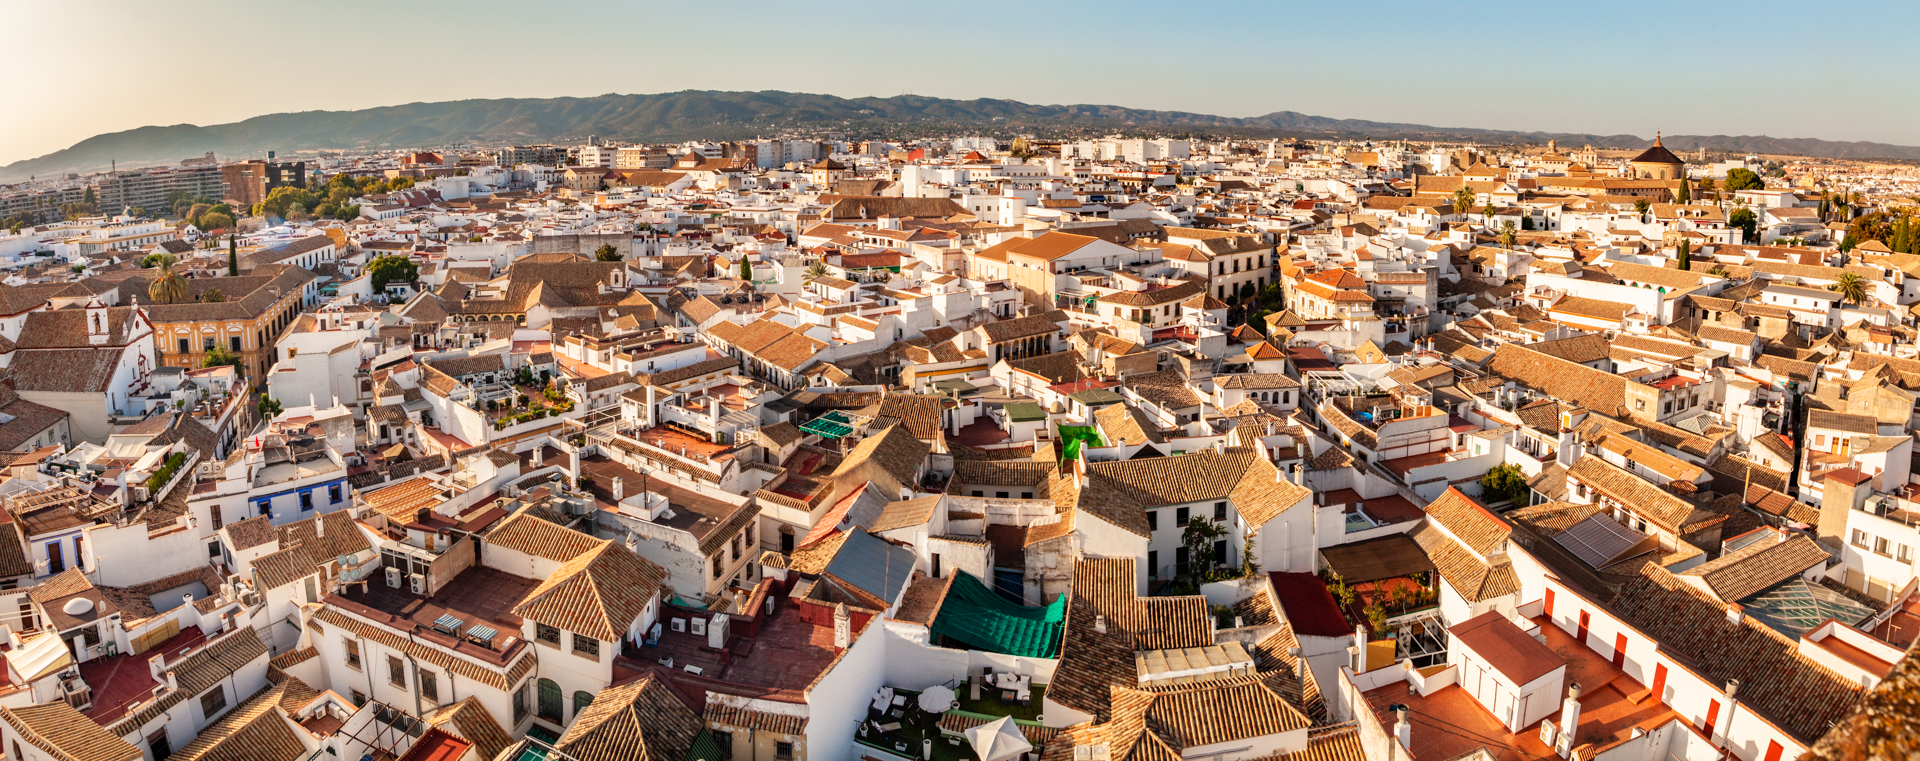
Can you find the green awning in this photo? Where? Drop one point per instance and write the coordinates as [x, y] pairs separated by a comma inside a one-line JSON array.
[[972, 614]]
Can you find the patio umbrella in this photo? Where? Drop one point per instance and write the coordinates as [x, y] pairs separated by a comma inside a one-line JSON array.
[[998, 740], [936, 699]]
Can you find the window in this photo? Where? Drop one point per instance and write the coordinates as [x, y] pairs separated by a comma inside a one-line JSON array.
[[1153, 564], [783, 751], [209, 343], [586, 646], [1904, 554], [233, 343], [1180, 560], [716, 566], [1153, 520], [333, 495], [1220, 511], [353, 654], [213, 547], [213, 702], [1859, 538], [1880, 545], [306, 500], [1180, 517], [583, 699], [551, 705], [186, 346], [1000, 495], [396, 671], [520, 702], [429, 686], [546, 634]]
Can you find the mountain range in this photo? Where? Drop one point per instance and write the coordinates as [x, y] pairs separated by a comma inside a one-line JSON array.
[[712, 115]]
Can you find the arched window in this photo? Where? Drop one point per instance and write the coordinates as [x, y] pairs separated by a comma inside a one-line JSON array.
[[551, 705], [581, 700]]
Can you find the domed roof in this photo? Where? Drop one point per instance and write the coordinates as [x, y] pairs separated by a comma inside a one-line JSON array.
[[1658, 154]]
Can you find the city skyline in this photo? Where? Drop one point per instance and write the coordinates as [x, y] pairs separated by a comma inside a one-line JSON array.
[[1479, 68]]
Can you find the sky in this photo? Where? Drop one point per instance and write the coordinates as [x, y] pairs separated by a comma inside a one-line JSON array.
[[1830, 70]]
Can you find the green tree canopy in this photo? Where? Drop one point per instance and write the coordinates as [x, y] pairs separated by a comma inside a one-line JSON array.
[[1851, 287], [1686, 254], [392, 269], [1743, 179], [1504, 483], [607, 253], [1744, 220]]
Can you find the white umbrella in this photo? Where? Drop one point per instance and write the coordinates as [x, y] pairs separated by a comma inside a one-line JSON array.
[[998, 740], [936, 699]]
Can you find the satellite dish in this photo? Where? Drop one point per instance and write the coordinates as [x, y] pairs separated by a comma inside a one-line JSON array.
[[77, 606]]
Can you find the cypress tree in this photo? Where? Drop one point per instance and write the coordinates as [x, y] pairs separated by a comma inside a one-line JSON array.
[[233, 256], [1686, 255]]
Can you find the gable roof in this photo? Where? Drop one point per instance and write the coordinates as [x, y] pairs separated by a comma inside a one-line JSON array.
[[600, 593]]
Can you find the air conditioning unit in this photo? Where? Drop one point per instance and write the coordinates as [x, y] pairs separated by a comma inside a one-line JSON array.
[[700, 626], [393, 578], [417, 583]]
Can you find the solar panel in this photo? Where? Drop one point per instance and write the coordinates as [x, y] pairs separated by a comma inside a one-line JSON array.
[[1598, 540], [447, 623]]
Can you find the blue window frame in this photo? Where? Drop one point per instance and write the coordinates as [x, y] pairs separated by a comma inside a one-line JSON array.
[[306, 501], [333, 493]]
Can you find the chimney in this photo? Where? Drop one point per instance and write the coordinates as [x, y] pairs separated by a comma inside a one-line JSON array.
[[1733, 613], [1402, 729], [619, 488], [1570, 715], [1300, 472], [1100, 623], [842, 627], [173, 682], [1568, 444], [1846, 489], [1299, 666], [320, 527]]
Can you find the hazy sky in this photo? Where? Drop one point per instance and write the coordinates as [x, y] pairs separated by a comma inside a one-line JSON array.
[[1832, 70]]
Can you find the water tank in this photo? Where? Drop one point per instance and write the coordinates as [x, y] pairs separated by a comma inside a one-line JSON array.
[[77, 606]]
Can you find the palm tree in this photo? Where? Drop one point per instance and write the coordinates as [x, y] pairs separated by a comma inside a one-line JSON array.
[[1463, 201], [169, 287], [814, 271], [1851, 287], [1507, 234]]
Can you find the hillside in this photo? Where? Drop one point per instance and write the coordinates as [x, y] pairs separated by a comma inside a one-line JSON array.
[[709, 115]]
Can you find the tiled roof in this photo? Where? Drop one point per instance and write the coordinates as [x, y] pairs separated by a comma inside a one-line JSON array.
[[470, 721], [600, 593], [637, 720], [66, 733], [1738, 575], [279, 569], [1790, 690], [1567, 381], [539, 538], [1655, 504], [253, 731], [332, 617], [1091, 661], [748, 718], [198, 672], [1469, 521], [896, 450], [1473, 579]]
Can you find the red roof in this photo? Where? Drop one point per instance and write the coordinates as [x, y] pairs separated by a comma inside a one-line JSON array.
[[1308, 605], [437, 745]]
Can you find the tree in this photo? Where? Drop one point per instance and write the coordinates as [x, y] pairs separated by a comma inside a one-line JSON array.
[[233, 256], [1743, 179], [1198, 538], [1686, 254], [1640, 205], [746, 268], [212, 295], [268, 407], [169, 287], [1744, 220], [1851, 287], [87, 197], [214, 220], [1505, 483], [1463, 201], [814, 272], [390, 269], [1686, 194], [220, 356], [1526, 222], [137, 211], [606, 253], [1508, 234]]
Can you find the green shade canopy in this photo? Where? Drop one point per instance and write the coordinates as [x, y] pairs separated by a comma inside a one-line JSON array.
[[974, 615]]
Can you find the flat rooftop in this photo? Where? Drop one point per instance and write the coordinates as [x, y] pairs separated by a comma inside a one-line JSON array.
[[478, 595], [125, 679], [787, 653], [693, 512], [686, 444], [1451, 723]]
